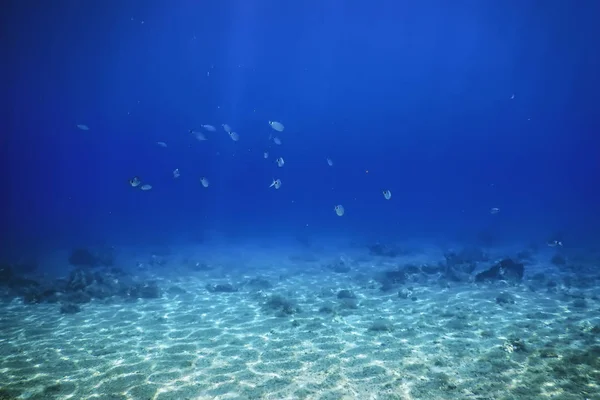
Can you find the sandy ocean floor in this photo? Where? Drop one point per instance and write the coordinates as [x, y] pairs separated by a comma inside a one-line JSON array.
[[286, 334]]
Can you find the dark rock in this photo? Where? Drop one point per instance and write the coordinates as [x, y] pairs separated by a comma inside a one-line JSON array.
[[506, 270], [281, 305], [221, 288], [69, 308], [346, 294], [327, 308], [505, 298], [79, 279], [580, 303], [391, 279]]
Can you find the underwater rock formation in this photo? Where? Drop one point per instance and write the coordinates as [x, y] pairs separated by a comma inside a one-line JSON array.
[[505, 270]]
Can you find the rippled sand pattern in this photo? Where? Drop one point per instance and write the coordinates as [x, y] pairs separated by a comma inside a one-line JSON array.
[[446, 343]]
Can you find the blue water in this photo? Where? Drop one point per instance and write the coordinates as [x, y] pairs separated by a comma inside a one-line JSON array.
[[480, 117], [414, 97]]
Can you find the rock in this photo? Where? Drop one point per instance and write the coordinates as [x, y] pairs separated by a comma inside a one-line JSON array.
[[391, 279], [506, 270], [505, 298], [281, 305]]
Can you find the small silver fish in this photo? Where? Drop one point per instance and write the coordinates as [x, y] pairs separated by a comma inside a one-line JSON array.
[[554, 243], [266, 154], [204, 182], [276, 183], [176, 173], [280, 162], [339, 210], [276, 140], [83, 127], [209, 128], [226, 128], [234, 136], [330, 162], [494, 210], [161, 144], [135, 181], [387, 194], [146, 187], [199, 135], [278, 126]]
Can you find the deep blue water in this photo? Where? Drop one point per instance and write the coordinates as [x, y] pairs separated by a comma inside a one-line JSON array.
[[414, 97]]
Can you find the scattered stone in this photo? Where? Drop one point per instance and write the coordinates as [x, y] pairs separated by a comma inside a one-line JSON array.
[[280, 305]]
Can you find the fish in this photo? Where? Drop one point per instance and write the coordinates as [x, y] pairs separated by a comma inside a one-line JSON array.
[[280, 162], [387, 194], [234, 136], [494, 210], [266, 154], [330, 162], [554, 243], [199, 135], [209, 128], [176, 173], [276, 140], [226, 128], [204, 182], [135, 181], [276, 183], [278, 126], [161, 144], [83, 127], [146, 187], [339, 210]]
